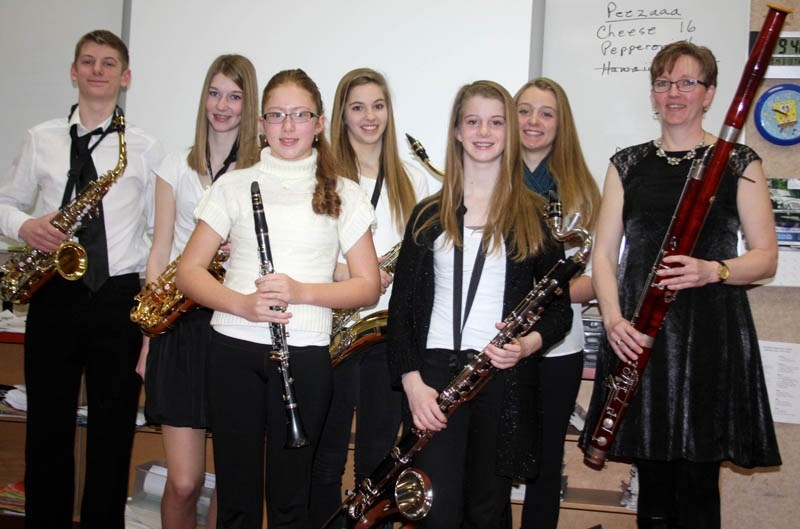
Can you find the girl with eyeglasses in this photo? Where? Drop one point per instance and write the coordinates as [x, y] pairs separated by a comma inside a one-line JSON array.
[[225, 139], [553, 161], [312, 214], [482, 235], [702, 398], [364, 142]]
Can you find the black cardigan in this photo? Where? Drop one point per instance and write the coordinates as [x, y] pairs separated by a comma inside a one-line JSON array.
[[410, 308]]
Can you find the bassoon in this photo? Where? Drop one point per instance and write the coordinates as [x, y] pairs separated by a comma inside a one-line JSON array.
[[295, 434], [690, 214], [396, 487]]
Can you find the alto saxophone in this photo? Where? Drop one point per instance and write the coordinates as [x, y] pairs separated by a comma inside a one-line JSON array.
[[347, 341], [395, 487], [160, 303], [25, 273]]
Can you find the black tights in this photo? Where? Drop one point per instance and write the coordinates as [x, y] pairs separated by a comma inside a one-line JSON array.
[[678, 495]]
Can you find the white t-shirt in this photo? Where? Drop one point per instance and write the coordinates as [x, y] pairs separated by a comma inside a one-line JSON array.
[[386, 233], [187, 190], [487, 308], [573, 341]]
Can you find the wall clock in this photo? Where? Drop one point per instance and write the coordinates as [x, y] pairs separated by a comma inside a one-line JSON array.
[[776, 114]]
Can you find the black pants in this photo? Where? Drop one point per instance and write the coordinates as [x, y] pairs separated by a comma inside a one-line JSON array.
[[682, 493], [559, 381], [71, 333], [460, 460], [245, 394], [362, 383]]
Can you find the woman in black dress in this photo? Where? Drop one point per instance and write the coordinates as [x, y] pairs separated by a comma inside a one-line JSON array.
[[702, 399]]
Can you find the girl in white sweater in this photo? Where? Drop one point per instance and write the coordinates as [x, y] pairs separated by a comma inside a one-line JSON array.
[[312, 215]]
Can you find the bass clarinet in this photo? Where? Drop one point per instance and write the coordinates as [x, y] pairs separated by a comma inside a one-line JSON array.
[[295, 435], [395, 487], [687, 221]]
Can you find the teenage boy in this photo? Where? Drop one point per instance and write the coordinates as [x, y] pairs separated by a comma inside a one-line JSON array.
[[82, 328]]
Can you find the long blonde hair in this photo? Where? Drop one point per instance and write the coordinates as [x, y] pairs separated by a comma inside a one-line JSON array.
[[577, 189], [240, 70], [514, 208], [397, 181]]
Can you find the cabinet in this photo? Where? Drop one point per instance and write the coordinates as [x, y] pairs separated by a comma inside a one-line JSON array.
[[12, 429]]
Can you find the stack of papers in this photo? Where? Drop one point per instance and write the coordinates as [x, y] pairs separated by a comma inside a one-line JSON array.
[[17, 398], [12, 497], [10, 322]]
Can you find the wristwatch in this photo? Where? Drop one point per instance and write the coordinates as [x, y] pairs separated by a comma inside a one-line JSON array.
[[723, 272]]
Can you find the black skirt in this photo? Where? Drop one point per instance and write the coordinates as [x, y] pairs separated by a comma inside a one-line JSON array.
[[175, 380]]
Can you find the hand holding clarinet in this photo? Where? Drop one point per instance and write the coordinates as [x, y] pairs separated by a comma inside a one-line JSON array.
[[295, 435]]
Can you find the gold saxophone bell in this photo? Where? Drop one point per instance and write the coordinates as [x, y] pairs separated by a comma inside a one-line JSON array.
[[71, 260]]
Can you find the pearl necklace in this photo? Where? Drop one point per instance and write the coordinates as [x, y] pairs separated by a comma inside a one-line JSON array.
[[673, 160]]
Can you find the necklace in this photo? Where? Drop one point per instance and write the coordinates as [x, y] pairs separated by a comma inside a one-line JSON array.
[[673, 160]]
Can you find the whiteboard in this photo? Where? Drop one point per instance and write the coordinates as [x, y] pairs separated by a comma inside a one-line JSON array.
[[600, 52], [426, 49]]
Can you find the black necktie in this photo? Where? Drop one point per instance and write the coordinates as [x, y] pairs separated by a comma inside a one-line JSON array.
[[92, 234]]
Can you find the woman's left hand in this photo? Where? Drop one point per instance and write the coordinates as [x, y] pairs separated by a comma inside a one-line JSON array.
[[686, 272]]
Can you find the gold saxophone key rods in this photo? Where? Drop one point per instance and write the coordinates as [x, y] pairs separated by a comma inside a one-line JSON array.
[[369, 330], [159, 304]]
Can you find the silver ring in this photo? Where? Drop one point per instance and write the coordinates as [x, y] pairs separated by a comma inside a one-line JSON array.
[[619, 341]]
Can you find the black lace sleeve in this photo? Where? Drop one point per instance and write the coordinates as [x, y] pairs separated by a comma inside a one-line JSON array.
[[630, 157], [741, 157]]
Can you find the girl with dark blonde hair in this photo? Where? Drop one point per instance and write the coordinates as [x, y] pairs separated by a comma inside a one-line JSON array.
[[553, 161], [470, 254], [365, 145], [312, 215]]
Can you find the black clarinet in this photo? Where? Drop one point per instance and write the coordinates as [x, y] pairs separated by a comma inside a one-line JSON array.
[[295, 435]]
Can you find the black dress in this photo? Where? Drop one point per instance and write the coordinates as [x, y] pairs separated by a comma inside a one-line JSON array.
[[702, 396]]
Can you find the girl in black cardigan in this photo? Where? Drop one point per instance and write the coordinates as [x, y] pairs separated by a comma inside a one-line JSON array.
[[470, 254]]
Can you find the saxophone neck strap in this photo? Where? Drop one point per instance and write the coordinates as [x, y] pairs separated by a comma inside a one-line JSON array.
[[225, 165], [376, 191]]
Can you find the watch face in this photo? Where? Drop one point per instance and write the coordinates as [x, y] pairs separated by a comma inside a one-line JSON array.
[[776, 114]]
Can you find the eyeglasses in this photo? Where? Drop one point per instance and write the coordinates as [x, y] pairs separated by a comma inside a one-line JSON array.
[[684, 85], [300, 116]]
